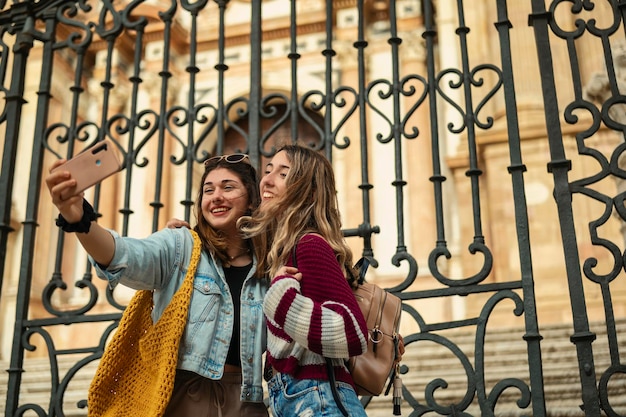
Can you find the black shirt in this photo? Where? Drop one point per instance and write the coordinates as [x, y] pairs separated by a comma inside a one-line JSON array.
[[235, 276]]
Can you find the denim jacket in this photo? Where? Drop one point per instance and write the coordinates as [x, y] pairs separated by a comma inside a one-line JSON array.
[[159, 262]]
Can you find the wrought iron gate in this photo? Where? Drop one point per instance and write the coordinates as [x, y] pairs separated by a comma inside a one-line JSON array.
[[388, 90]]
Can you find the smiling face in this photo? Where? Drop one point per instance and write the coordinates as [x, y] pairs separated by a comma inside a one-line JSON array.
[[224, 199], [274, 181]]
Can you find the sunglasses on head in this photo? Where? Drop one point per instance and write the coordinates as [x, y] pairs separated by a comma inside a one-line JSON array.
[[232, 158]]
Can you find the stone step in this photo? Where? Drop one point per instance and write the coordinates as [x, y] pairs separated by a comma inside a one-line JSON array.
[[505, 357], [36, 383], [429, 361]]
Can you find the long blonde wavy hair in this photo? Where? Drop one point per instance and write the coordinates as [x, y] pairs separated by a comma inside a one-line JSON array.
[[309, 205]]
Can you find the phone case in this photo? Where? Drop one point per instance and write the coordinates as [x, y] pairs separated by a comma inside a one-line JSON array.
[[93, 165]]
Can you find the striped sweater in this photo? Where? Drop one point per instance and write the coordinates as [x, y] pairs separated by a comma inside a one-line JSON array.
[[313, 318]]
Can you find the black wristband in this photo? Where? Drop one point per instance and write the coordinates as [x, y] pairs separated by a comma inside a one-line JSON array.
[[81, 226]]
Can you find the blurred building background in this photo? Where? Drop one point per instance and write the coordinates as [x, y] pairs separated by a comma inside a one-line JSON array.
[[478, 152]]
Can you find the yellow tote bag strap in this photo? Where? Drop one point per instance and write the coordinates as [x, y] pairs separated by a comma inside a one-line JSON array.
[[187, 285], [178, 308]]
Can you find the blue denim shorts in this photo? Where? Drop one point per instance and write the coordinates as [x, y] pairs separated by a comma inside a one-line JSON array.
[[290, 397]]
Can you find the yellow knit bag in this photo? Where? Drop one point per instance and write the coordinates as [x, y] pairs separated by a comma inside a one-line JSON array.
[[135, 376]]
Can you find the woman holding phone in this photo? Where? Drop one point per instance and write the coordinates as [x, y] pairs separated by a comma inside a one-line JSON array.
[[219, 368]]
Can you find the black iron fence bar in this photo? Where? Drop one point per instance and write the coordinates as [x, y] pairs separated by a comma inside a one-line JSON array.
[[559, 166]]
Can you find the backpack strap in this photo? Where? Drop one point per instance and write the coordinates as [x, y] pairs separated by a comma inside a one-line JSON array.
[[362, 266], [333, 387]]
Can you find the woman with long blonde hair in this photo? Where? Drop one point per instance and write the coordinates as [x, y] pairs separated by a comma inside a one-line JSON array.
[[311, 311]]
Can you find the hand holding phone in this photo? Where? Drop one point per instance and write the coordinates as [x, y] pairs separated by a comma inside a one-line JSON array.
[[92, 165]]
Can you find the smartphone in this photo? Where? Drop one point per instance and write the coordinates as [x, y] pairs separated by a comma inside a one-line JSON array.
[[93, 165]]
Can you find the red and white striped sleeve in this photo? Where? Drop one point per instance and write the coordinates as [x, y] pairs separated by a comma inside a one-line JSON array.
[[320, 312]]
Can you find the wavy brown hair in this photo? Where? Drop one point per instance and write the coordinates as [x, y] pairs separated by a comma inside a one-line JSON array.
[[213, 240], [309, 205]]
